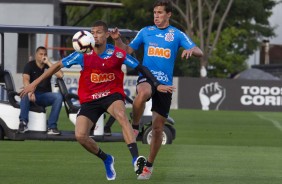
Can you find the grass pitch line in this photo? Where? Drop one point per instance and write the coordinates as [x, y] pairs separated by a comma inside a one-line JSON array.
[[277, 124]]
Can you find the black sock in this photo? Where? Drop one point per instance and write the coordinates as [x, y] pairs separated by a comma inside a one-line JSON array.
[[102, 155], [136, 127], [133, 150], [148, 164]]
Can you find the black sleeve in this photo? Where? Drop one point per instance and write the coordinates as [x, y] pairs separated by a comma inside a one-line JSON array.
[[27, 68], [144, 70]]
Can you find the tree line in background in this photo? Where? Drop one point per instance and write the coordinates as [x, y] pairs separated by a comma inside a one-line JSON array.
[[228, 31]]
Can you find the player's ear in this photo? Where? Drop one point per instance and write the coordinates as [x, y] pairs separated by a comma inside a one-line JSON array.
[[169, 14]]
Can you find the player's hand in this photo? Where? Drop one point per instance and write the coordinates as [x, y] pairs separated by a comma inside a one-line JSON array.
[[115, 34], [45, 60], [28, 89], [187, 53], [31, 97], [165, 89]]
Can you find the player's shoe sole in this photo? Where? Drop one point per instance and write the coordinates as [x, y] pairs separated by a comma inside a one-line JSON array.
[[139, 164]]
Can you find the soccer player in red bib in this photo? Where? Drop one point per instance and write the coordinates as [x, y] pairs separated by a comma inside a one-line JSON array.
[[101, 90]]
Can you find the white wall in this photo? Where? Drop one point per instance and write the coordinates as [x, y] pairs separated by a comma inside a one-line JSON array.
[[26, 14], [23, 14], [275, 20]]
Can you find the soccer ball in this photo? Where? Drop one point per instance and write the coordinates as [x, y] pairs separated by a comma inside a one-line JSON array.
[[83, 41]]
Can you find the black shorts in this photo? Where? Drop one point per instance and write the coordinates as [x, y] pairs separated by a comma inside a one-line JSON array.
[[160, 101], [94, 109]]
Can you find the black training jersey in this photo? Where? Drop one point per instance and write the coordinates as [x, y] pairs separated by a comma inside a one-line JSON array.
[[34, 72]]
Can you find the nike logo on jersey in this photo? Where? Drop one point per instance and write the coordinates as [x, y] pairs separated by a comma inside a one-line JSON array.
[[159, 35], [159, 52]]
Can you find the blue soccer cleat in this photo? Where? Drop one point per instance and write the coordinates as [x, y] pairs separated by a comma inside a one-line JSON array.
[[109, 166]]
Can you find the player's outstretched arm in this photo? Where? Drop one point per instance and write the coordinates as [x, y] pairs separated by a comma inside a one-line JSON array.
[[116, 36], [195, 51], [58, 74], [133, 63], [160, 87]]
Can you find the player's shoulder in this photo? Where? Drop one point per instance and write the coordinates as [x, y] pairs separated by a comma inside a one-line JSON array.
[[119, 53], [177, 32], [31, 64], [110, 46], [149, 28], [174, 29], [76, 54], [109, 49]]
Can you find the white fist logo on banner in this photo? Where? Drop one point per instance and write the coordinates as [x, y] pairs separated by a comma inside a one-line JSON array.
[[211, 96]]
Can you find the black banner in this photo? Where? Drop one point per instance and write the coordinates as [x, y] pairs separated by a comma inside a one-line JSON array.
[[229, 94]]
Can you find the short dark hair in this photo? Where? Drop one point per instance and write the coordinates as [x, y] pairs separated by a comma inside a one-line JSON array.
[[101, 23], [40, 48], [165, 3]]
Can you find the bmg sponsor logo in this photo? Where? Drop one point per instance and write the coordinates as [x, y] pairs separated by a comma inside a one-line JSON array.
[[261, 96], [103, 77], [159, 52]]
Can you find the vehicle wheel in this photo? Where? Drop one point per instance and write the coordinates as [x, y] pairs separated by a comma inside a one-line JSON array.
[[1, 133], [147, 136]]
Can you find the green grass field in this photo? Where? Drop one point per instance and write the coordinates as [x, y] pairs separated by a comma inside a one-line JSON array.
[[211, 147]]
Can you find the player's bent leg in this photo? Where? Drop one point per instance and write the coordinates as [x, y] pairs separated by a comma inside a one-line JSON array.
[[117, 109], [82, 129], [157, 136], [156, 142], [144, 92]]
